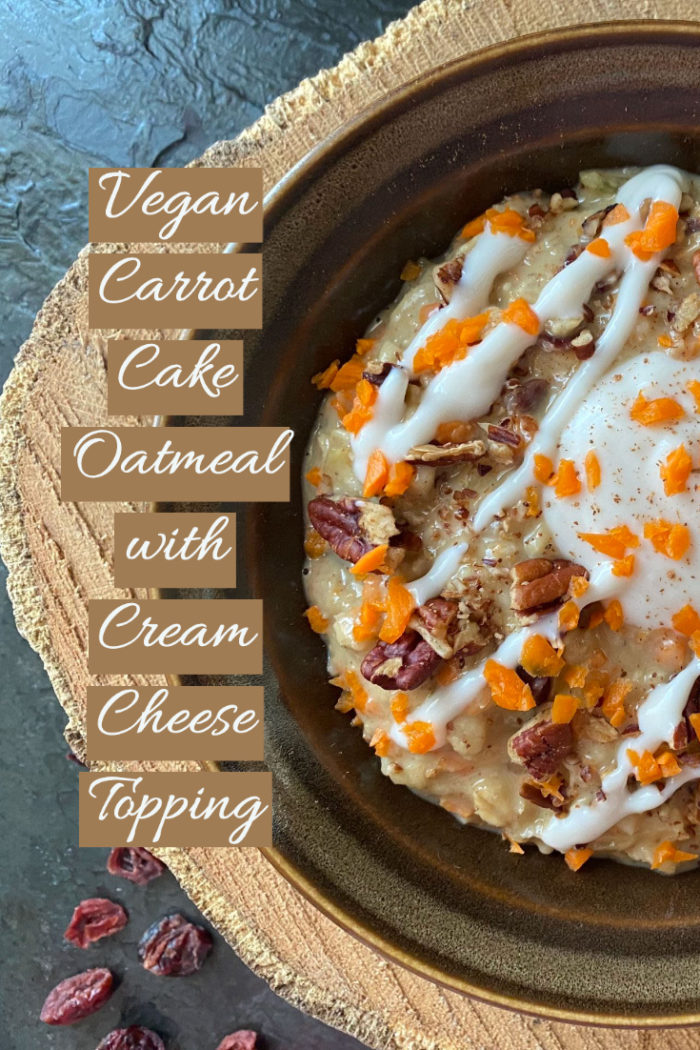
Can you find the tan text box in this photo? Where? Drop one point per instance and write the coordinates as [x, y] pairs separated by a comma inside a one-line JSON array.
[[176, 204], [175, 377], [127, 723], [175, 636], [183, 464], [175, 809], [153, 290], [175, 550]]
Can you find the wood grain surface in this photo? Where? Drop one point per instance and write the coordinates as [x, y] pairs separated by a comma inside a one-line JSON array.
[[59, 555]]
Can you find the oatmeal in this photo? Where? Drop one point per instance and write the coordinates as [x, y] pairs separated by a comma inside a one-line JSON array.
[[502, 554]]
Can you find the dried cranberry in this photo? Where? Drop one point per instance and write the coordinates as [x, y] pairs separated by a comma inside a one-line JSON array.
[[174, 947], [243, 1040], [539, 687], [132, 1038], [77, 997], [135, 864], [93, 919]]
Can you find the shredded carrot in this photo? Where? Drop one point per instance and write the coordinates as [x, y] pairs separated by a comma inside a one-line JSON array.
[[566, 480], [665, 340], [599, 247], [514, 847], [368, 622], [578, 586], [575, 676], [592, 465], [314, 476], [668, 764], [614, 616], [380, 742], [532, 502], [670, 540], [421, 737], [539, 657], [659, 410], [509, 221], [614, 542], [400, 477], [361, 411], [349, 374], [543, 468], [363, 346], [400, 603], [377, 474], [649, 768], [507, 689], [521, 314], [323, 380], [450, 343], [314, 545], [473, 228], [658, 234], [564, 708], [695, 723], [676, 471], [317, 621], [399, 707], [666, 853], [618, 214], [693, 387], [410, 271], [372, 561], [354, 687], [623, 566], [569, 616], [576, 858], [686, 621], [613, 706], [594, 690], [455, 431]]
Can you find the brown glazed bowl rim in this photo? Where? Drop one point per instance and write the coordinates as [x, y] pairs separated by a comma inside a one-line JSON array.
[[660, 31]]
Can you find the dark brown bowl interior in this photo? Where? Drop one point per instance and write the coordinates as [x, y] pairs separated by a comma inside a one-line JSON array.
[[612, 943]]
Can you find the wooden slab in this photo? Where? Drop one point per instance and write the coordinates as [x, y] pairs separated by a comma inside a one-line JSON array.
[[59, 555]]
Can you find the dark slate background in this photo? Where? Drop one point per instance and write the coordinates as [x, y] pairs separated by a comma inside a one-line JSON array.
[[134, 83]]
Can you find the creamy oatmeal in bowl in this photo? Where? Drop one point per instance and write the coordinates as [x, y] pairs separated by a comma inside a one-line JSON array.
[[502, 549]]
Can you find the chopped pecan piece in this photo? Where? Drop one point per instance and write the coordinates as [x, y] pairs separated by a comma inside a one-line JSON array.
[[533, 793], [447, 276], [541, 746], [539, 583], [446, 455], [593, 224], [436, 623], [403, 664], [351, 527]]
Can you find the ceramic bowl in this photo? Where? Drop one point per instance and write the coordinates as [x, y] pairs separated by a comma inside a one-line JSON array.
[[611, 944]]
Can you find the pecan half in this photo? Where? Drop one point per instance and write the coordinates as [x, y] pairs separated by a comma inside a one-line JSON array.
[[351, 527], [541, 582], [446, 455], [403, 664], [541, 746], [447, 276]]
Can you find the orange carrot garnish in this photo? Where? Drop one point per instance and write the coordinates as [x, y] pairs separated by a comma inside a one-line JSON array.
[[676, 471], [507, 689], [349, 374], [576, 858], [659, 410], [686, 621], [450, 343], [420, 736], [371, 561], [693, 387], [400, 604], [569, 616], [566, 480], [363, 346], [400, 477], [592, 466], [670, 540], [564, 708], [618, 214], [658, 234], [377, 474], [323, 380], [599, 247], [666, 853], [317, 621], [543, 468], [623, 566], [521, 314], [314, 476], [614, 542], [613, 705], [539, 657], [399, 707]]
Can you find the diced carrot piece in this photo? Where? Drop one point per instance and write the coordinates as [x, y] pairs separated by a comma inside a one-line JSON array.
[[578, 586], [400, 477], [314, 476], [509, 221], [532, 501], [686, 621], [314, 545], [349, 374], [613, 705], [659, 230], [623, 566], [646, 769], [668, 763], [520, 313], [695, 723], [317, 621], [569, 616], [539, 657], [323, 380], [564, 708], [614, 616], [450, 343], [618, 214], [575, 676], [507, 689], [400, 604], [372, 561], [380, 742], [658, 410], [377, 474], [599, 247], [421, 737], [576, 858], [399, 707], [666, 853], [543, 468], [670, 540], [665, 340], [367, 626], [693, 387], [473, 228], [566, 481], [363, 346], [410, 271], [676, 471], [614, 542], [592, 466], [355, 688]]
